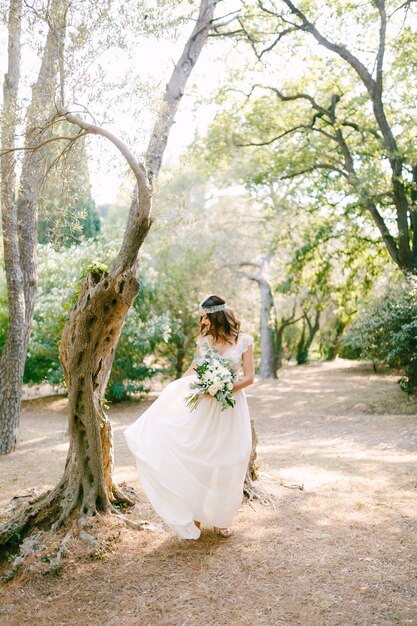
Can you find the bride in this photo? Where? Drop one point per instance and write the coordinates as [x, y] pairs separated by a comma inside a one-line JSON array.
[[192, 465]]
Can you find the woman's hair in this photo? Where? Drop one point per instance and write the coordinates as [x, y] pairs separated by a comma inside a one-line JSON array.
[[224, 324]]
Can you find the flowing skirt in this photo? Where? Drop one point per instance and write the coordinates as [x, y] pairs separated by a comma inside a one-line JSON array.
[[192, 464]]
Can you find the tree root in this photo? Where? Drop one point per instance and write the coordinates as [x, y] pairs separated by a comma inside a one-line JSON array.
[[120, 496], [139, 525], [43, 552], [29, 546], [252, 492], [39, 546], [32, 532], [294, 486], [33, 515]]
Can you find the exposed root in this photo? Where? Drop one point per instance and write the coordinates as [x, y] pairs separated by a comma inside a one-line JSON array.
[[252, 492], [29, 546], [56, 561], [138, 525], [31, 536], [294, 486], [17, 501], [33, 515], [44, 552], [122, 496]]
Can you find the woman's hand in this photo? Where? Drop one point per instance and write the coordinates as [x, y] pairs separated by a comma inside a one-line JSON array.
[[206, 395]]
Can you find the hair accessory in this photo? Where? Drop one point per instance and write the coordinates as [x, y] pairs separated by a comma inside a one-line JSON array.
[[213, 309]]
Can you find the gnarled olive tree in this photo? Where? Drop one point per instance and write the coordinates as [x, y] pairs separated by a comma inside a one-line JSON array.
[[92, 331]]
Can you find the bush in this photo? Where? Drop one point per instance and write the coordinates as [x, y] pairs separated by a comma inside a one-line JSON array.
[[158, 336], [60, 276], [386, 332]]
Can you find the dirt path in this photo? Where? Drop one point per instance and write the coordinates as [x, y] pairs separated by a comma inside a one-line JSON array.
[[342, 551]]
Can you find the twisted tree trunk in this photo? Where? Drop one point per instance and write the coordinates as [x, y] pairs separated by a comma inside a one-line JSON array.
[[88, 338]]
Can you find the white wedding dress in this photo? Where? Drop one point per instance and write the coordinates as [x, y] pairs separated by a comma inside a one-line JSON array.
[[192, 464]]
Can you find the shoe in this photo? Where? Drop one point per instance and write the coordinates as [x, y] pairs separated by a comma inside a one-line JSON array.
[[225, 532]]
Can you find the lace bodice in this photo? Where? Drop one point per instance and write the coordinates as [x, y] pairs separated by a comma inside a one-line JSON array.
[[233, 351]]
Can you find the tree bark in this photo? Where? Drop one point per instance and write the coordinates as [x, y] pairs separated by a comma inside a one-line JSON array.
[[20, 225], [88, 338], [307, 338], [12, 361], [279, 336], [413, 214], [179, 358], [33, 168], [173, 95], [268, 364]]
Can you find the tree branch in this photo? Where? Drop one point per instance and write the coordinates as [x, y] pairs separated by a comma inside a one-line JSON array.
[[269, 141], [93, 129], [342, 51], [381, 48], [136, 233], [176, 85], [317, 166], [251, 276], [250, 264], [40, 145], [172, 97]]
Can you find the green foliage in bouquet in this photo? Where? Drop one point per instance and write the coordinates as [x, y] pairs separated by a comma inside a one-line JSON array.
[[215, 377]]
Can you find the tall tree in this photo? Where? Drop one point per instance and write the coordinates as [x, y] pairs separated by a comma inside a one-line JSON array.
[[11, 367], [20, 213], [91, 334], [360, 136], [268, 366]]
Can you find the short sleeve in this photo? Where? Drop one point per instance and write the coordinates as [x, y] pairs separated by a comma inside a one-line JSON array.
[[201, 346], [246, 342]]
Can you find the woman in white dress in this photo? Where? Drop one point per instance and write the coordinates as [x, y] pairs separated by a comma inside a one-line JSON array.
[[192, 464]]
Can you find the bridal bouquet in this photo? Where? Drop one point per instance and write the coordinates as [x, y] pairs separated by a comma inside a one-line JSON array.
[[215, 376]]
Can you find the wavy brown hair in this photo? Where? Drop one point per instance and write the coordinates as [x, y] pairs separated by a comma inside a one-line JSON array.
[[224, 324]]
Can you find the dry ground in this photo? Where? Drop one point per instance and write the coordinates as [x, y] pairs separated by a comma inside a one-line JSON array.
[[342, 551]]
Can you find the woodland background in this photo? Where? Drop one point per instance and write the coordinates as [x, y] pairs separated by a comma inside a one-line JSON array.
[[153, 153], [247, 209]]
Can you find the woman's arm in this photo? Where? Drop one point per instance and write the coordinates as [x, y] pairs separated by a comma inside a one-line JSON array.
[[248, 371]]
